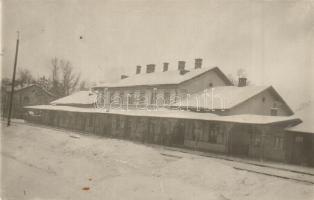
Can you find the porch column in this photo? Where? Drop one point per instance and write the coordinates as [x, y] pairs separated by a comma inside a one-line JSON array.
[[264, 130], [106, 99], [228, 133]]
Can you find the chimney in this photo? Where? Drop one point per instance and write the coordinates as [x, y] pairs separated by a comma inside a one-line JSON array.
[[181, 65], [138, 69], [150, 68], [165, 67], [242, 82], [124, 76], [198, 63]]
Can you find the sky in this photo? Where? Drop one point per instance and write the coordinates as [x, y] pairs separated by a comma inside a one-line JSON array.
[[273, 41]]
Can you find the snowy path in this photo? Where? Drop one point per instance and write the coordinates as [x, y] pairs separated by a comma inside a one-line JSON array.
[[41, 163]]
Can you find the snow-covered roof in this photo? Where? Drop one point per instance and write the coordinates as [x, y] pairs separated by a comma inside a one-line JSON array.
[[166, 113], [18, 88], [223, 97], [163, 78], [78, 98], [307, 117]]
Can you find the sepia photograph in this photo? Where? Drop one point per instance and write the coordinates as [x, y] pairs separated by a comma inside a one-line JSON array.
[[157, 100]]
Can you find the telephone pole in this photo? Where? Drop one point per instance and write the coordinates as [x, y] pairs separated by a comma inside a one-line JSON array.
[[13, 77]]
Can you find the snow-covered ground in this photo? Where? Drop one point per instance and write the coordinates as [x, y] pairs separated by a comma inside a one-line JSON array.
[[41, 163]]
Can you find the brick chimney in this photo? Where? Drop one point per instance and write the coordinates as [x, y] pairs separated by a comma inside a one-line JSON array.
[[124, 76], [242, 82], [165, 67], [181, 65], [150, 68], [198, 63], [138, 69]]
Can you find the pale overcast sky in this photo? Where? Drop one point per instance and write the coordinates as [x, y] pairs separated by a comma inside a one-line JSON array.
[[272, 40]]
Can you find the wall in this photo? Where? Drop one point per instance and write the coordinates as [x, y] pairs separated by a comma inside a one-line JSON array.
[[172, 132], [197, 134], [191, 86], [202, 82], [255, 105], [273, 144]]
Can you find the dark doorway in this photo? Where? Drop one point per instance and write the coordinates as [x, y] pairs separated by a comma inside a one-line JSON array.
[[239, 140], [301, 153], [178, 136]]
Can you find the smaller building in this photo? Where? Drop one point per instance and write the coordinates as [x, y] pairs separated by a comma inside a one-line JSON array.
[[24, 96], [301, 138]]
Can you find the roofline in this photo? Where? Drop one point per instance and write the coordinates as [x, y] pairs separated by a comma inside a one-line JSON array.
[[278, 95], [216, 69], [36, 85], [164, 116], [267, 88], [298, 131]]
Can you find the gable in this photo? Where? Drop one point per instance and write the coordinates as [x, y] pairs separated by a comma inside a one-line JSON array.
[[212, 78], [262, 103]]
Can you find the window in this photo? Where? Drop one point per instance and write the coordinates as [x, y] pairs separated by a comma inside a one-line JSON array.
[[141, 98], [117, 122], [274, 112], [111, 96], [131, 97], [91, 121], [299, 139], [183, 93], [211, 84], [263, 99], [215, 134], [121, 94], [278, 142], [154, 96], [256, 139], [167, 97], [25, 100]]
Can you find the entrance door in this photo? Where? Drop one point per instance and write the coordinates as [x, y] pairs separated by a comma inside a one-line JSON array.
[[301, 153], [178, 137], [239, 140]]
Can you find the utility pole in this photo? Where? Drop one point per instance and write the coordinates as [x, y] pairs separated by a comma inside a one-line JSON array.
[[13, 77]]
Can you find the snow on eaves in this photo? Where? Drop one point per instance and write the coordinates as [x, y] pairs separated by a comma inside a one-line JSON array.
[[78, 98], [223, 97], [162, 78], [166, 113], [307, 117]]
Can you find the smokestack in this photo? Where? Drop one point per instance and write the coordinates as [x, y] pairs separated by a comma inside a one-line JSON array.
[[181, 65], [242, 82], [198, 63], [138, 69], [150, 68], [124, 76], [165, 67]]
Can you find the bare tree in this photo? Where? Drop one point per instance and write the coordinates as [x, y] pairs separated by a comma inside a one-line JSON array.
[[43, 82], [25, 77], [55, 85], [63, 78], [69, 79]]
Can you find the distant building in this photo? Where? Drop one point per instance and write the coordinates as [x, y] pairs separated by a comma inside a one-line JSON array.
[[24, 96]]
